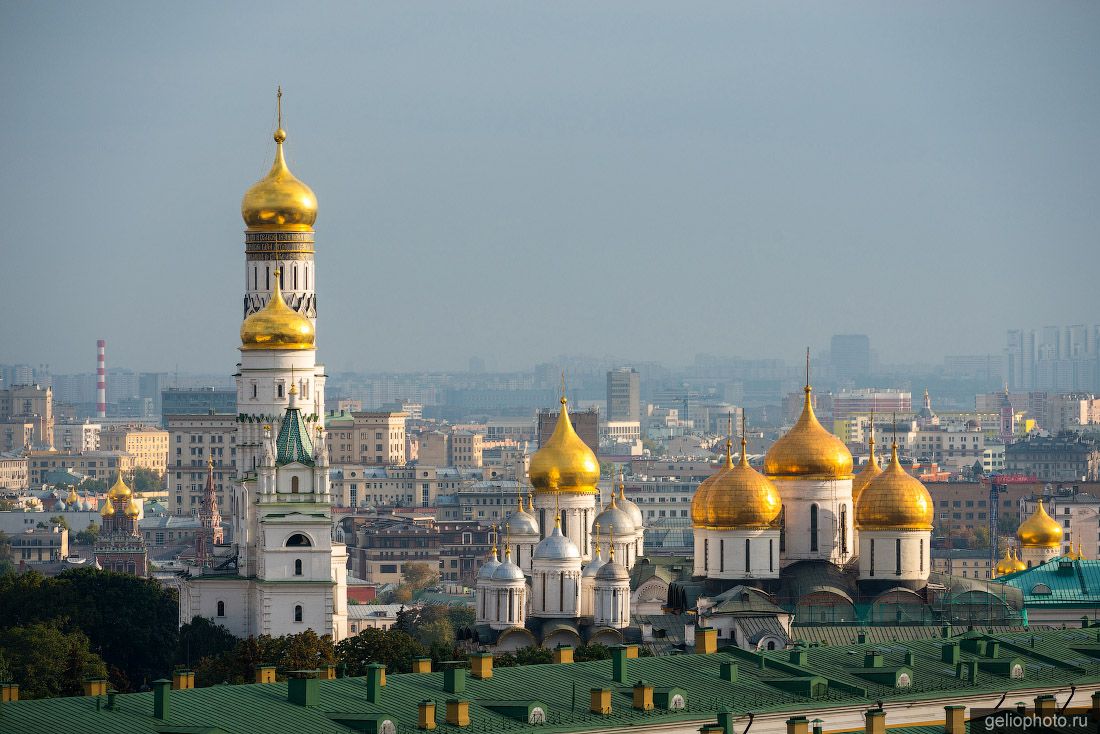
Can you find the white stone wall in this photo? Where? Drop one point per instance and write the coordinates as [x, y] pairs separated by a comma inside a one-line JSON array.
[[612, 604], [915, 558], [578, 511], [722, 554], [836, 537]]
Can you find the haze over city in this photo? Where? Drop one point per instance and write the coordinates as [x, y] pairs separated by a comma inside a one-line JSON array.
[[517, 181]]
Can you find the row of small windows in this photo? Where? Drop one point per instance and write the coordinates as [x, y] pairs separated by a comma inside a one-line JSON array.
[[282, 277], [298, 612]]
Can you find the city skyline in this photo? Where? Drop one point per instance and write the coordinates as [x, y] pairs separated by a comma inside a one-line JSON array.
[[611, 154]]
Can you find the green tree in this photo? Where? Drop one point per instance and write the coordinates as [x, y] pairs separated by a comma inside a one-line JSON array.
[[7, 558], [46, 661], [437, 634], [420, 576], [593, 651], [146, 480], [59, 520], [461, 616], [393, 648], [202, 638], [88, 535], [97, 486], [534, 656], [307, 651]]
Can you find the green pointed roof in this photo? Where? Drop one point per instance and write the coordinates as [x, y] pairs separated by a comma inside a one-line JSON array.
[[293, 443]]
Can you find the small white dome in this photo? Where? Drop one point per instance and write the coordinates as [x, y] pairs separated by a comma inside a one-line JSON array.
[[556, 547], [612, 571], [614, 520], [593, 566], [488, 568], [508, 571], [521, 523]]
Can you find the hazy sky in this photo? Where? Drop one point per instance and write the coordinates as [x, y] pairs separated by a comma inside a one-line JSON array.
[[519, 180]]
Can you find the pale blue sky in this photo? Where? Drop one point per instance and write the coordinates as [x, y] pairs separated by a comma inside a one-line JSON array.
[[520, 180]]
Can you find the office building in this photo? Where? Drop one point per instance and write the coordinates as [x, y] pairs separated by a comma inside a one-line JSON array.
[[623, 395]]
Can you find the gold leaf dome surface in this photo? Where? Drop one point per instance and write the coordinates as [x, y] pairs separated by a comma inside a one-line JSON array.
[[564, 463], [119, 490], [279, 201], [808, 451], [132, 509], [894, 500], [108, 508], [277, 326], [1040, 530], [1006, 565], [866, 475], [1019, 565], [737, 497]]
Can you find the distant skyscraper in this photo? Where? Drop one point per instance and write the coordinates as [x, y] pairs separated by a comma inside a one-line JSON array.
[[851, 356], [623, 395]]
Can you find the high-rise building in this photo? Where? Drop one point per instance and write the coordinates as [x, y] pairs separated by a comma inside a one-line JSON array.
[[22, 405], [850, 355], [623, 395]]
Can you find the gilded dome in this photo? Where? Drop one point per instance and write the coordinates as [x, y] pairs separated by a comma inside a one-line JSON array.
[[740, 497], [1040, 530], [869, 471], [1019, 565], [132, 508], [894, 500], [73, 499], [119, 490], [564, 463], [108, 508], [279, 201], [1006, 565], [277, 325], [808, 451]]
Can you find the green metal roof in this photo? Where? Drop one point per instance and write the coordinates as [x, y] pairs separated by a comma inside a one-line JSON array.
[[1070, 583], [1050, 658], [293, 443]]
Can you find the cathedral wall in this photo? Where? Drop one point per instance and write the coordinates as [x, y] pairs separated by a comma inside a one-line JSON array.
[[915, 558], [835, 513]]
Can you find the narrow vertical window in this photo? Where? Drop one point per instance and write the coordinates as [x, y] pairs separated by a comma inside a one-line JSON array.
[[282, 278], [298, 613], [782, 529], [813, 527], [922, 555], [706, 554], [844, 529], [307, 277], [297, 566], [771, 554], [221, 609], [561, 592], [897, 554], [872, 572], [748, 556], [295, 277], [722, 554], [255, 278], [267, 277], [294, 485]]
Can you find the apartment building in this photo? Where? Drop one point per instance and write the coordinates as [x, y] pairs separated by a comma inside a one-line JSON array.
[[366, 437], [192, 441], [359, 485], [103, 465], [147, 444], [75, 436]]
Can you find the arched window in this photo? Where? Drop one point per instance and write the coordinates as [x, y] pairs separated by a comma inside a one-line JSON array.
[[280, 389], [294, 485], [221, 609], [297, 566], [253, 389], [771, 644], [748, 566], [297, 612], [297, 540], [813, 527]]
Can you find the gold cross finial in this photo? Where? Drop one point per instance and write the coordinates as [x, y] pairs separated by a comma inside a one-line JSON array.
[[563, 400], [744, 441], [279, 104], [807, 369]]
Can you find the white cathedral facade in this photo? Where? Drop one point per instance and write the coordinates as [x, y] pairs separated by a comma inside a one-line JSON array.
[[284, 572]]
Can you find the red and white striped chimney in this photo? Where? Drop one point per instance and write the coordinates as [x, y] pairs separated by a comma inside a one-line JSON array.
[[101, 379]]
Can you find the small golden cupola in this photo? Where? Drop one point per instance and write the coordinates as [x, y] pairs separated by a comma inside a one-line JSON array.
[[1018, 564], [1007, 564], [870, 470], [894, 500], [808, 451], [132, 508], [740, 497], [564, 463], [1040, 530], [119, 490], [279, 201], [277, 325], [73, 497], [108, 508]]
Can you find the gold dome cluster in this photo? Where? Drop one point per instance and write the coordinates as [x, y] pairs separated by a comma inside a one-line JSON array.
[[279, 201], [808, 451], [1040, 530], [277, 326], [1011, 563], [564, 463], [735, 497], [894, 500]]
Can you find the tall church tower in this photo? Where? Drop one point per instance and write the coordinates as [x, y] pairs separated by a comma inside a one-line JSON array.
[[284, 572]]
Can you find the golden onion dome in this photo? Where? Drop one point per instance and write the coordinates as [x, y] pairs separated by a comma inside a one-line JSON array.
[[108, 508], [1018, 564], [132, 508], [741, 497], [1040, 530], [119, 490], [73, 497], [1007, 564], [808, 451], [277, 325], [866, 475], [894, 500], [279, 201], [564, 463], [700, 500]]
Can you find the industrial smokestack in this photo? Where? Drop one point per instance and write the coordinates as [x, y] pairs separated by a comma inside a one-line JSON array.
[[101, 379]]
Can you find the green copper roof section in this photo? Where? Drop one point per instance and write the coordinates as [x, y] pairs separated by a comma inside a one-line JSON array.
[[1058, 582], [293, 443]]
